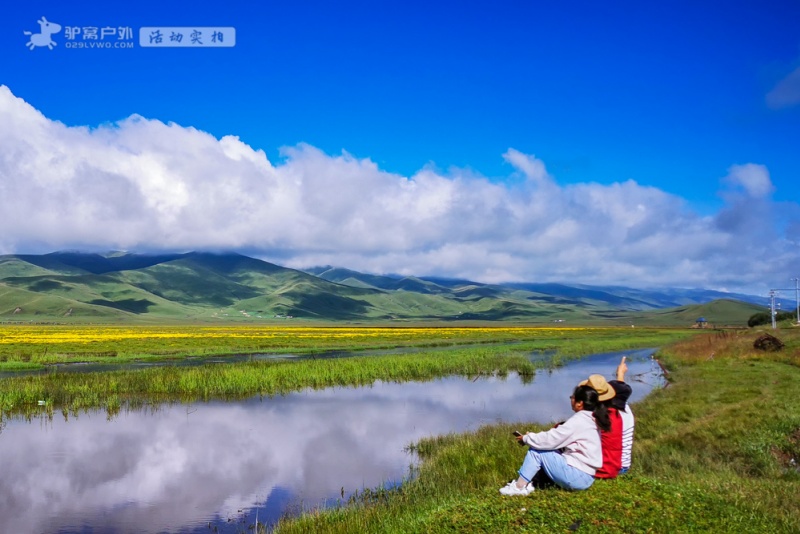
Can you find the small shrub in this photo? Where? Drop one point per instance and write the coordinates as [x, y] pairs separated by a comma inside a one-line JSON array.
[[763, 318]]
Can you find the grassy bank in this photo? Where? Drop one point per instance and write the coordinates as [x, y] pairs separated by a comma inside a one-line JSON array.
[[112, 390], [714, 451]]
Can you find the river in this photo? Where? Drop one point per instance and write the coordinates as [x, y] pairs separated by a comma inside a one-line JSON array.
[[224, 465]]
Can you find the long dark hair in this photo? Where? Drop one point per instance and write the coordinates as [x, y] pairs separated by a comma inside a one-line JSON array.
[[591, 403]]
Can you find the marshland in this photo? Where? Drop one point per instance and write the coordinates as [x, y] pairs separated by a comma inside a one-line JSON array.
[[703, 458]]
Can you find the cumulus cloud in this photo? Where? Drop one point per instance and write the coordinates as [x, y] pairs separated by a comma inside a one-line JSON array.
[[144, 185], [753, 179]]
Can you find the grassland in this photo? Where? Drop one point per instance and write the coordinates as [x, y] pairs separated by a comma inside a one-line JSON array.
[[719, 313], [34, 346], [715, 451], [467, 351]]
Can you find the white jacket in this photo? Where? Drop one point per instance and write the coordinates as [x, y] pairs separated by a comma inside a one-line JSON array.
[[578, 439]]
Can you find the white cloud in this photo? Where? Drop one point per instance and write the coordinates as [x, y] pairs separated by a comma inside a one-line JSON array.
[[141, 184], [754, 179], [787, 91]]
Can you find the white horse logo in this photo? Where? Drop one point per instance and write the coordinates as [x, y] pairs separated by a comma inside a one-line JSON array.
[[43, 37]]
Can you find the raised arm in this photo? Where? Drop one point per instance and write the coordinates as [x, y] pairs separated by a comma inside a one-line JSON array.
[[622, 368]]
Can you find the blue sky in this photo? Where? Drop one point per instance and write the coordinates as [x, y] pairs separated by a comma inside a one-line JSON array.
[[695, 108]]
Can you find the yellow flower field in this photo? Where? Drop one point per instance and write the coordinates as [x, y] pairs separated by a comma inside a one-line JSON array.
[[42, 344], [36, 335]]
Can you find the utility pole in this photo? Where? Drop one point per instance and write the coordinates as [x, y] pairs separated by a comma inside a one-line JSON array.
[[772, 308], [772, 294]]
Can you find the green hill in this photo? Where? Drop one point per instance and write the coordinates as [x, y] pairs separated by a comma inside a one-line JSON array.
[[216, 287], [722, 312]]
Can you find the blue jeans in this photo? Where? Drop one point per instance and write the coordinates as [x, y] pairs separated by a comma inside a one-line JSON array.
[[623, 470], [556, 468]]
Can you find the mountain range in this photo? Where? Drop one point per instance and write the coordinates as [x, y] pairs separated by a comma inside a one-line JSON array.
[[227, 286]]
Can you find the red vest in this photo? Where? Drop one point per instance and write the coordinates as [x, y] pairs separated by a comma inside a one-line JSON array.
[[611, 442]]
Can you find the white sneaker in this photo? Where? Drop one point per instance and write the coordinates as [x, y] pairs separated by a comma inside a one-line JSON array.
[[511, 489]]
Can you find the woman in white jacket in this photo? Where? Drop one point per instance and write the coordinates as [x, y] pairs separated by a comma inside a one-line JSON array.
[[570, 453]]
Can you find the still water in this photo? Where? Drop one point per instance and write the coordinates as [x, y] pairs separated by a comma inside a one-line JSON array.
[[190, 468]]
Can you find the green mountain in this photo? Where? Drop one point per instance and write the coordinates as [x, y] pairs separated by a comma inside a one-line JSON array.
[[193, 285], [232, 287]]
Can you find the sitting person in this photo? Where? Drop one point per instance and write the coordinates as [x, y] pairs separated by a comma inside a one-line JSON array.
[[611, 439], [620, 402], [570, 453]]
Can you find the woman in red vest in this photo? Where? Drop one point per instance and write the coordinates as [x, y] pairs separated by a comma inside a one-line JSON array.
[[610, 440]]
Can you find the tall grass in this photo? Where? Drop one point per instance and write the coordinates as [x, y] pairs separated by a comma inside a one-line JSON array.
[[72, 391]]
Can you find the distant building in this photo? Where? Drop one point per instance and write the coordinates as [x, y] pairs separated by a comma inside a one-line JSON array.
[[701, 323]]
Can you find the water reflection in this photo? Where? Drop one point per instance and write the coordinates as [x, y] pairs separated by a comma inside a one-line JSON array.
[[180, 467]]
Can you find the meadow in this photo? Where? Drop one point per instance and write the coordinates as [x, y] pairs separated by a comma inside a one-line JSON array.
[[460, 351], [34, 346], [717, 450]]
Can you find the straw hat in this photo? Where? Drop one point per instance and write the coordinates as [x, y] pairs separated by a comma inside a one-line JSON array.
[[599, 384]]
